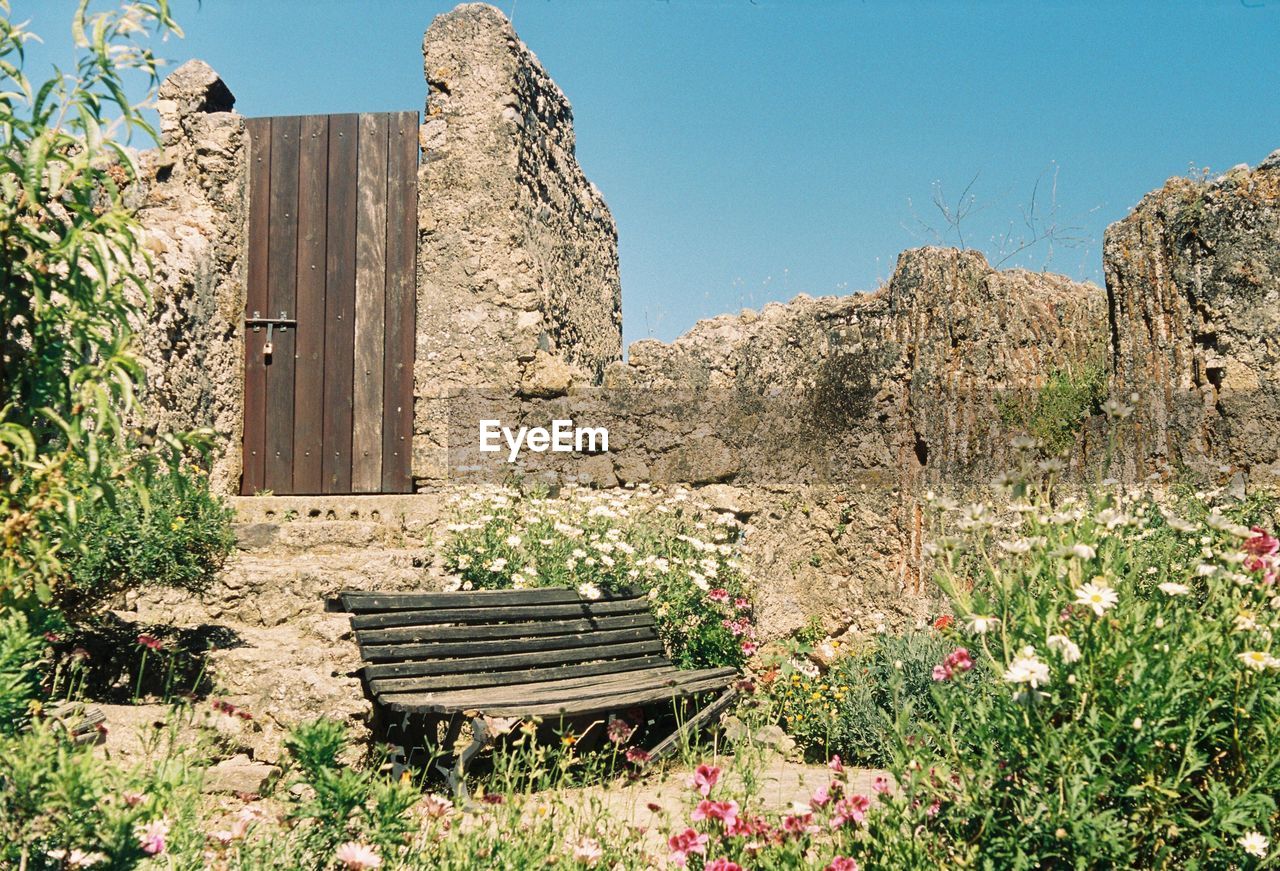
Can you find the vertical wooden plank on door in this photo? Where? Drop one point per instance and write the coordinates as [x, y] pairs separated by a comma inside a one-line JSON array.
[[252, 478], [371, 251], [282, 275], [308, 402], [402, 246], [340, 303]]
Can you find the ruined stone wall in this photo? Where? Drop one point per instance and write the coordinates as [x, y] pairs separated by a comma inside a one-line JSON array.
[[824, 421], [912, 376], [1193, 282], [518, 251], [192, 206]]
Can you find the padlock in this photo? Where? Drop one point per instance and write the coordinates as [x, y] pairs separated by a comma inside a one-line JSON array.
[[266, 350]]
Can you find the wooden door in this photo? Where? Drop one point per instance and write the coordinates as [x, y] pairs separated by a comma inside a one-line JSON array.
[[330, 302]]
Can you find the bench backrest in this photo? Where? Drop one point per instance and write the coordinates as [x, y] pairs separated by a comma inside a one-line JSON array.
[[422, 642]]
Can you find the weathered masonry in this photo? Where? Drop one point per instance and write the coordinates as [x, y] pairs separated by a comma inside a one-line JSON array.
[[330, 304], [325, 281]]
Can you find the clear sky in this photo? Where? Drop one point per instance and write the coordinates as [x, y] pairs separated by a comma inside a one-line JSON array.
[[751, 151]]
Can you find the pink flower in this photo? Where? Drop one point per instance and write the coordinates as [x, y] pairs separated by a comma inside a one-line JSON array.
[[151, 836], [959, 659], [835, 764], [724, 811], [956, 660], [881, 785], [620, 731], [842, 863], [797, 824], [722, 864], [357, 857], [742, 604], [851, 809], [704, 778], [132, 799], [588, 852], [749, 648], [1261, 544], [932, 810], [683, 844], [636, 756], [719, 594], [150, 642], [435, 805], [821, 796]]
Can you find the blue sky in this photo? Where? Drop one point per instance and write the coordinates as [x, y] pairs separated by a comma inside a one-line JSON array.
[[751, 151]]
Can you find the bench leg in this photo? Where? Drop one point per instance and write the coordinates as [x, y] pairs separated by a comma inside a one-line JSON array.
[[401, 749], [705, 717], [445, 748], [458, 775]]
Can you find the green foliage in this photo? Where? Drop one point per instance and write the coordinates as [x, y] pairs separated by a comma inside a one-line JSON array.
[[58, 800], [20, 653], [1058, 410], [1130, 719], [75, 279], [597, 543], [846, 702], [180, 538]]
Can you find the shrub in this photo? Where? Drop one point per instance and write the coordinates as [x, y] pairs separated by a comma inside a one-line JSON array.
[[838, 701], [61, 806], [1132, 716], [1055, 413], [683, 555], [179, 536], [20, 653], [75, 280]]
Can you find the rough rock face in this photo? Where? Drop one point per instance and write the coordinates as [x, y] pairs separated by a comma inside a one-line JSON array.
[[909, 381], [1193, 279], [192, 206], [518, 251]]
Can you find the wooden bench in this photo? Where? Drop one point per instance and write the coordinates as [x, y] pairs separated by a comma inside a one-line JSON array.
[[545, 653]]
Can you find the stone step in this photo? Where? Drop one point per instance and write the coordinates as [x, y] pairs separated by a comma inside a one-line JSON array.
[[324, 524]]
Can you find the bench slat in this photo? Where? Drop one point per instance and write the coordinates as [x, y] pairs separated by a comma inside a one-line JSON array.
[[436, 616], [364, 602], [403, 634], [430, 683], [577, 689], [492, 647], [615, 700], [511, 661]]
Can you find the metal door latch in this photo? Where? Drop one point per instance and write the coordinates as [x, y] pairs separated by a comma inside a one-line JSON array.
[[257, 322]]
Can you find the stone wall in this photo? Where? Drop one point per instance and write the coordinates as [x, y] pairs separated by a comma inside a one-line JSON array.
[[1193, 280], [518, 251], [192, 202], [824, 421]]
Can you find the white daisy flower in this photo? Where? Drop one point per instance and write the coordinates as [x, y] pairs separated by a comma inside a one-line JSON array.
[[980, 625], [1258, 660], [1028, 669], [1255, 844], [1064, 647], [1097, 596]]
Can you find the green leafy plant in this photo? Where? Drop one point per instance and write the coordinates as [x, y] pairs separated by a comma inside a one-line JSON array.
[[179, 538], [1055, 413], [843, 701], [75, 280], [1129, 716]]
